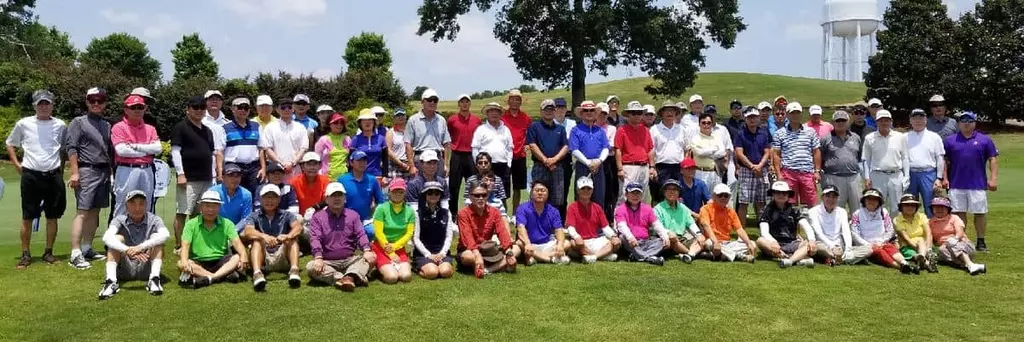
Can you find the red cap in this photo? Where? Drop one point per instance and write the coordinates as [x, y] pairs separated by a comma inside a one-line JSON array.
[[337, 117], [134, 100], [688, 163], [396, 184]]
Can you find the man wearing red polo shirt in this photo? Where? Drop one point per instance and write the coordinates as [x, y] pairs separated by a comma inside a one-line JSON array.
[[461, 127], [635, 150], [518, 122]]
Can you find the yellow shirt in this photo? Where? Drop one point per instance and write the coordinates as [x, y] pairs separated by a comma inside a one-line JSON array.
[[914, 228], [701, 142], [262, 123]]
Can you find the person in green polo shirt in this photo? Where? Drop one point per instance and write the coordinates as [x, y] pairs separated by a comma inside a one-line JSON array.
[[205, 257], [683, 233]]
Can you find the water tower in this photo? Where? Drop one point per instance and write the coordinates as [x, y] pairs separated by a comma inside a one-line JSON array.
[[848, 38]]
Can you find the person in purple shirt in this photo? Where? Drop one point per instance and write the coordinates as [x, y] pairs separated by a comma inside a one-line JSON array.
[[335, 234], [539, 228], [968, 154]]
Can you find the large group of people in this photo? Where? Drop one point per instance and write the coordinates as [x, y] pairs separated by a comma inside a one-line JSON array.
[[256, 193]]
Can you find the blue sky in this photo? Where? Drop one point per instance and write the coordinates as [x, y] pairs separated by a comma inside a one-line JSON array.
[[309, 36]]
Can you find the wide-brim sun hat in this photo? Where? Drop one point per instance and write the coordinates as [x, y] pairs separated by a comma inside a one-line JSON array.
[[872, 193]]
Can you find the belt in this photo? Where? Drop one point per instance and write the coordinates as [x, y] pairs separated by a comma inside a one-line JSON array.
[[461, 152], [888, 172], [241, 163], [922, 169], [421, 152], [139, 166], [53, 172], [706, 169], [95, 166], [643, 163]]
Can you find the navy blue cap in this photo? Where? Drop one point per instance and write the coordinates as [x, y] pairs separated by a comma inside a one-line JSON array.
[[560, 102], [670, 182], [710, 109], [274, 167], [399, 111], [231, 168], [197, 101], [634, 186], [735, 104]]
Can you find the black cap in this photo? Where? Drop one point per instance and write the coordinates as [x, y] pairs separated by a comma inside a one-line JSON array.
[[710, 109], [284, 101], [196, 101], [735, 104], [274, 167], [232, 168]]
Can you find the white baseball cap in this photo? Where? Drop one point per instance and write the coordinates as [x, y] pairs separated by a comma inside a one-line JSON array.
[[464, 96], [333, 188], [610, 98], [752, 112], [815, 110], [264, 100], [584, 182], [310, 156], [883, 114], [324, 108], [763, 105], [141, 91], [603, 107], [695, 98], [937, 98], [240, 101], [794, 107], [211, 196], [301, 98], [430, 92], [722, 189], [874, 101], [649, 109], [212, 93], [270, 188], [378, 110], [634, 106], [780, 186], [428, 155]]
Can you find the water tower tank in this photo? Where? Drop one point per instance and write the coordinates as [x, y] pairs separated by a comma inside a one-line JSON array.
[[848, 37], [845, 15]]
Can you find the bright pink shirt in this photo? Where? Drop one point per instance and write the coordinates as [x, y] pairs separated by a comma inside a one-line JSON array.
[[639, 221], [822, 128], [127, 132]]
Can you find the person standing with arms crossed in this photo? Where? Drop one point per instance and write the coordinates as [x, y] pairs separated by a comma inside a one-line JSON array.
[[517, 122], [461, 127], [135, 144], [90, 156], [192, 151], [41, 137]]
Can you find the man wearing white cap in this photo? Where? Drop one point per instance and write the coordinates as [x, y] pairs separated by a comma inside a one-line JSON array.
[[494, 138], [592, 236], [874, 105], [301, 107], [589, 146], [462, 127], [753, 150], [634, 150], [285, 141], [840, 158], [822, 128], [273, 236], [613, 118], [264, 111], [518, 122], [426, 130], [696, 109], [204, 257], [241, 145], [831, 224], [670, 140], [135, 144], [649, 115], [940, 122], [765, 109], [549, 146], [796, 157], [335, 235], [927, 160], [323, 117], [719, 222], [135, 242], [214, 101], [90, 159], [886, 161]]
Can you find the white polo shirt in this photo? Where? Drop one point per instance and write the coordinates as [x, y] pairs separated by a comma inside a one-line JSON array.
[[669, 143], [495, 140], [925, 149], [41, 140], [285, 139]]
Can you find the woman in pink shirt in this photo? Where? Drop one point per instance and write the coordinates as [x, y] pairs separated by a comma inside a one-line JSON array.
[[948, 234], [135, 144], [333, 148]]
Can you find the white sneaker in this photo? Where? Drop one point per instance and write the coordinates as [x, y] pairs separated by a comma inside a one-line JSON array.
[[977, 269], [809, 263], [155, 286], [110, 288], [564, 260], [530, 261], [79, 262], [589, 259], [611, 257]]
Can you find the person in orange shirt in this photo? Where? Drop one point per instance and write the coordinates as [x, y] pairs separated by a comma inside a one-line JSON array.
[[309, 188], [718, 222]]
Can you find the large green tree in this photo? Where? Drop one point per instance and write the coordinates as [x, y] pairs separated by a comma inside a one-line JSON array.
[[367, 51], [193, 58], [557, 42], [991, 79], [917, 56], [124, 53]]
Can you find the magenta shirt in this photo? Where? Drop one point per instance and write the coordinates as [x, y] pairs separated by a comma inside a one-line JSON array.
[[639, 221], [126, 132], [822, 128]]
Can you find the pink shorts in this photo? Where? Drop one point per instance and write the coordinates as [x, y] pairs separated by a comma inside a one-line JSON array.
[[803, 185]]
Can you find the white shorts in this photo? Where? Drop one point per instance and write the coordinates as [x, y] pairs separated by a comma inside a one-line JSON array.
[[969, 201], [596, 244], [548, 247]]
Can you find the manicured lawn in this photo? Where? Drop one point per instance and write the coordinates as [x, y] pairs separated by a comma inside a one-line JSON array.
[[604, 302]]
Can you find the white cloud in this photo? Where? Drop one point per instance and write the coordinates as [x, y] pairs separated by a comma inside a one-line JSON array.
[[303, 12], [797, 32], [475, 51], [324, 73], [163, 26], [119, 18]]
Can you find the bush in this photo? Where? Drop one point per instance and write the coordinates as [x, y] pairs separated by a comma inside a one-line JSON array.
[[8, 117]]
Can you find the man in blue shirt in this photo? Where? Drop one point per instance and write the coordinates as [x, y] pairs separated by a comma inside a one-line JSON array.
[[301, 103], [237, 200], [241, 137], [275, 176], [540, 232], [589, 145], [549, 146], [273, 234], [362, 191], [694, 192]]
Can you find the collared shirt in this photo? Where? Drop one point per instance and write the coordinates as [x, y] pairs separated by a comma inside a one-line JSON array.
[[517, 124], [288, 199], [427, 134], [840, 156], [690, 119], [217, 127], [241, 143], [925, 149], [307, 193], [89, 139], [822, 128], [549, 138], [196, 143], [677, 220], [220, 120], [397, 226], [782, 222], [285, 139], [944, 127], [462, 127], [967, 159], [634, 142], [126, 132], [831, 228], [208, 244], [722, 220], [310, 123], [638, 222], [753, 144], [375, 147], [497, 141], [568, 124], [587, 219], [696, 196], [734, 126], [914, 228], [669, 143], [706, 148], [475, 229], [540, 227], [416, 185], [336, 237], [278, 224], [263, 124], [136, 233], [41, 140], [589, 140], [885, 153], [722, 134], [797, 148], [774, 126], [361, 194], [235, 208]]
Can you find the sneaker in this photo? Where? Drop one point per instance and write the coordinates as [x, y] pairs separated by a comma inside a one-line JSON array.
[[749, 258], [110, 288], [201, 282], [686, 258], [24, 261], [977, 269], [79, 262], [49, 258], [345, 284], [259, 283], [655, 260], [294, 281], [589, 259], [611, 257], [177, 250], [916, 269], [91, 255], [809, 263], [184, 279], [155, 286], [906, 268], [233, 277], [980, 246], [784, 263], [530, 261], [564, 260]]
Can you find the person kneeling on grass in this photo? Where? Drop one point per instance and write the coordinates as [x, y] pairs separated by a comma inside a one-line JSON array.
[[539, 228], [478, 224], [635, 221], [135, 247], [205, 257], [393, 226], [872, 226], [779, 223], [832, 230], [432, 238], [914, 236], [948, 233], [684, 236], [273, 235], [592, 236], [335, 234], [719, 222]]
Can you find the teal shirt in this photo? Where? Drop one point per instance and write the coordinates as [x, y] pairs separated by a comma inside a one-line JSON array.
[[675, 220]]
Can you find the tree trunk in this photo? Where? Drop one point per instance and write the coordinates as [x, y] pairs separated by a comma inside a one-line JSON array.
[[579, 68]]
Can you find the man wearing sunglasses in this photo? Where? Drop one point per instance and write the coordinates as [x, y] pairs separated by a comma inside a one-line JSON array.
[[859, 124], [215, 119], [735, 122], [301, 107], [940, 122], [241, 148], [589, 145], [635, 151], [670, 140], [427, 130], [969, 154], [285, 141], [192, 153], [90, 157], [135, 144], [874, 105]]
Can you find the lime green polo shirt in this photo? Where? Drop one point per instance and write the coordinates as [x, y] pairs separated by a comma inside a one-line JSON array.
[[208, 244]]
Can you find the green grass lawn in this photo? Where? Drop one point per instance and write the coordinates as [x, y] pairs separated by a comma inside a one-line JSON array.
[[603, 302]]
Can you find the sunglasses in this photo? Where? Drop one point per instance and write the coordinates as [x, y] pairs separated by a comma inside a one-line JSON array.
[[705, 123], [936, 105], [200, 107], [242, 107], [858, 113], [98, 101], [588, 110], [483, 162], [648, 114], [301, 104], [840, 121], [431, 100], [722, 195], [285, 107], [137, 107], [434, 193], [478, 196]]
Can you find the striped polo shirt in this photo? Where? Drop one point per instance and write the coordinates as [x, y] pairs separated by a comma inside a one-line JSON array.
[[797, 148], [241, 142]]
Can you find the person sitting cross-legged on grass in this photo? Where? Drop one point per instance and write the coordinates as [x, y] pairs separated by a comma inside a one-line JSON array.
[[478, 224], [948, 233], [540, 233], [592, 236], [871, 226], [273, 235], [394, 223], [779, 223], [204, 256], [832, 231], [335, 235], [432, 239], [684, 235], [635, 221], [915, 237], [719, 222], [135, 246]]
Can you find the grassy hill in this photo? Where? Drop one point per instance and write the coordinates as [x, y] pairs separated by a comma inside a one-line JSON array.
[[716, 87]]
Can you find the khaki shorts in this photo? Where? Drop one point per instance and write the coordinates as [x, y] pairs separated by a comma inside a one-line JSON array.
[[687, 239], [276, 262], [187, 198]]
